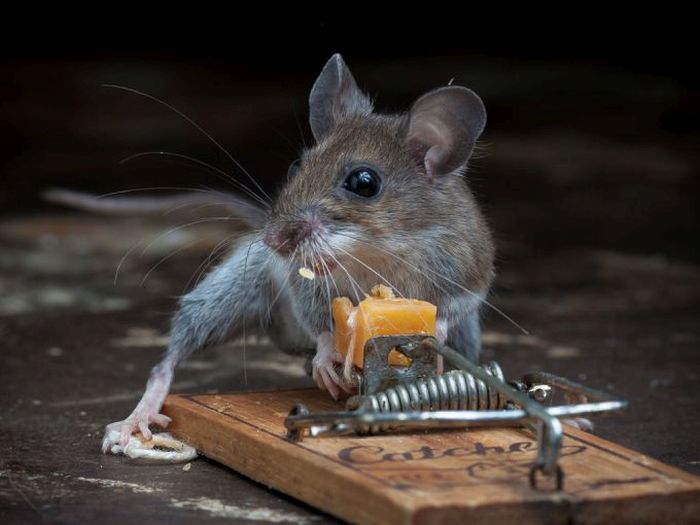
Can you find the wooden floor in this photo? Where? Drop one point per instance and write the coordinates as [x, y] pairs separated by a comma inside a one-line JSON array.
[[593, 200]]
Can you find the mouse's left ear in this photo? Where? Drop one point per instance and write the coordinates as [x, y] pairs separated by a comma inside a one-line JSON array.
[[442, 128], [335, 95]]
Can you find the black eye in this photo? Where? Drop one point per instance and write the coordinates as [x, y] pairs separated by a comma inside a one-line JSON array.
[[293, 168], [363, 182]]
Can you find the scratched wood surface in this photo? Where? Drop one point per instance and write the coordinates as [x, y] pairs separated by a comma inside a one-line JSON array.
[[430, 477]]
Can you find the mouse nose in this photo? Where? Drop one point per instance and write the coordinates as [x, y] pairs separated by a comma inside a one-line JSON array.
[[286, 237]]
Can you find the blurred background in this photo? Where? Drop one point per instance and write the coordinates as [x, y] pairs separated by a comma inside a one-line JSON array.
[[589, 121], [587, 171]]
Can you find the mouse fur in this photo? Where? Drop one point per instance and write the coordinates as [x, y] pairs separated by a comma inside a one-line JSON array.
[[422, 233]]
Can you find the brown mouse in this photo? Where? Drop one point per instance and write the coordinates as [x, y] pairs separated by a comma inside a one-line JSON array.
[[378, 199]]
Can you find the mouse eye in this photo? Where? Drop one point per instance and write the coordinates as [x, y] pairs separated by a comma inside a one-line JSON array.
[[293, 168], [363, 182]]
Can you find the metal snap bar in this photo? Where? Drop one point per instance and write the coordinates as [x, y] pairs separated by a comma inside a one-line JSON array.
[[479, 392]]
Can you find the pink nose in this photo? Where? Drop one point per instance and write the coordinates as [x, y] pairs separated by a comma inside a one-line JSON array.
[[285, 238]]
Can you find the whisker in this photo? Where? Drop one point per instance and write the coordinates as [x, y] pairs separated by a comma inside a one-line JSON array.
[[461, 287], [193, 223], [159, 188], [204, 265], [170, 255], [328, 292], [400, 259], [282, 286], [195, 209], [330, 275], [245, 313], [123, 259], [313, 283], [386, 281], [217, 171], [317, 258], [355, 285], [196, 126], [154, 240]]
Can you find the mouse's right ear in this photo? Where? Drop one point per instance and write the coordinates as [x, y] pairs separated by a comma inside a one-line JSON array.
[[335, 95]]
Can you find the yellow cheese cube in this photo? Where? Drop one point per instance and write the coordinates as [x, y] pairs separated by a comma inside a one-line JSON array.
[[379, 314]]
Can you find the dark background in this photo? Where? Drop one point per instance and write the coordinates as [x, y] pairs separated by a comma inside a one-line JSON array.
[[588, 172], [622, 88]]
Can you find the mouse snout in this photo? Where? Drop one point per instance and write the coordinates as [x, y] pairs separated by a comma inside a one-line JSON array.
[[285, 236]]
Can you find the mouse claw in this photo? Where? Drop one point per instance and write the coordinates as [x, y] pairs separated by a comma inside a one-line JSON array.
[[325, 382], [325, 374], [117, 434], [161, 420], [145, 431]]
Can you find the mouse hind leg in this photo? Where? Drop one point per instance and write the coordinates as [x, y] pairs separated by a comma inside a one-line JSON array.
[[214, 311]]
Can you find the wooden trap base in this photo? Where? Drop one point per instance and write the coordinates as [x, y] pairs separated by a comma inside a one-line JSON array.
[[466, 476]]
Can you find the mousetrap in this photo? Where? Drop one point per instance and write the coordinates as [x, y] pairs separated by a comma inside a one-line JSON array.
[[416, 447]]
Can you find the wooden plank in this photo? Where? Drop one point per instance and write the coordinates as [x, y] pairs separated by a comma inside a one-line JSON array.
[[479, 475]]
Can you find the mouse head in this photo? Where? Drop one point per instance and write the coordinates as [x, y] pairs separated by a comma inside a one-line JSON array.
[[372, 179]]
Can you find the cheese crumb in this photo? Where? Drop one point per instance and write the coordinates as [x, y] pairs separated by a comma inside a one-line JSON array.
[[306, 273], [382, 292]]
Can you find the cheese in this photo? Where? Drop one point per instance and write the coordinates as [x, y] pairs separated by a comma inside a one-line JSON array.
[[380, 313]]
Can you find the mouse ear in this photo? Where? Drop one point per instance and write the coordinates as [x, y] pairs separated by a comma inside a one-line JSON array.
[[335, 95], [442, 128]]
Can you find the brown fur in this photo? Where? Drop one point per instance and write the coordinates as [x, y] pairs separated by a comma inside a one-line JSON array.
[[437, 215]]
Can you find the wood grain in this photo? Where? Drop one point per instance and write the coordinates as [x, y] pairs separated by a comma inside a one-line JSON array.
[[479, 475]]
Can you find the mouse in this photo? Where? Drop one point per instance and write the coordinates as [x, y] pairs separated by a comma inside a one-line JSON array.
[[379, 198]]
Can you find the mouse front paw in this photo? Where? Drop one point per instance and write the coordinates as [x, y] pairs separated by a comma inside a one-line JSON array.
[[117, 434], [325, 368]]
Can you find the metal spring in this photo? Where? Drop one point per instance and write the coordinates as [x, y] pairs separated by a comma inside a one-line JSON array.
[[455, 390]]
